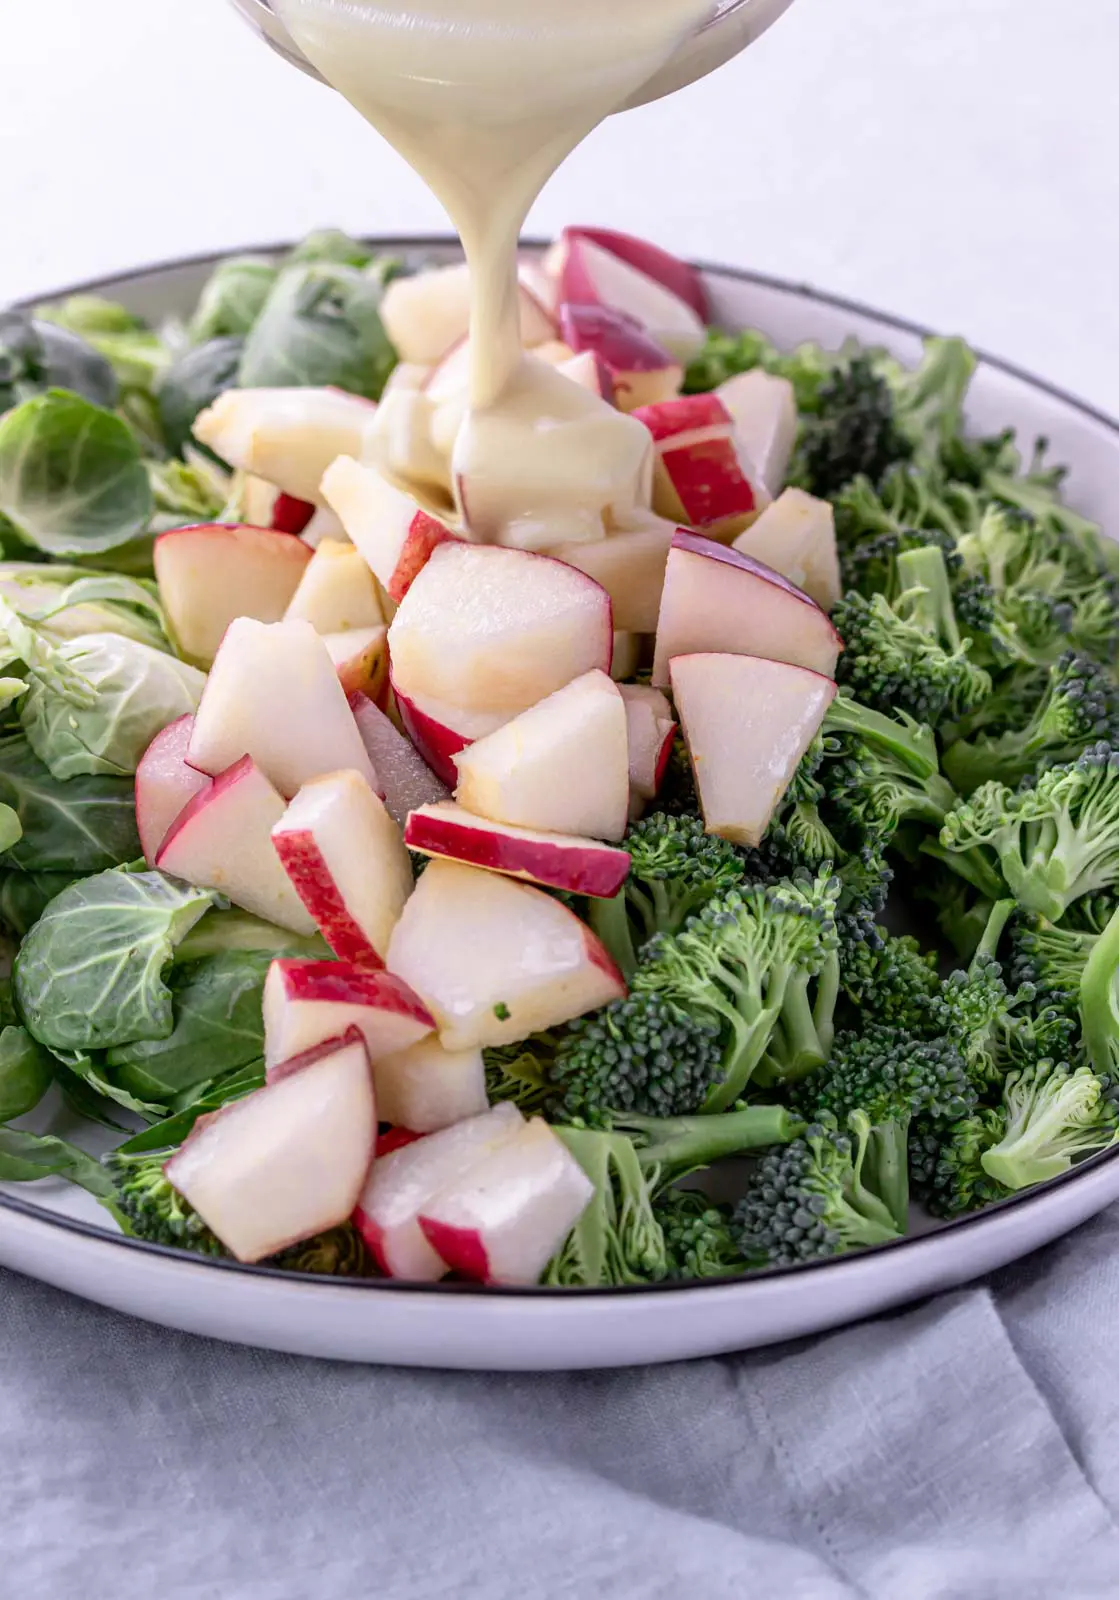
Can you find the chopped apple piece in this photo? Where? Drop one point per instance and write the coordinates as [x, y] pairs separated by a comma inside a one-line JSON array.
[[426, 1088], [796, 537], [222, 840], [747, 722], [589, 372], [496, 960], [718, 599], [402, 442], [651, 734], [307, 1002], [640, 371], [560, 766], [290, 515], [273, 693], [401, 771], [210, 574], [764, 410], [394, 534], [503, 1220], [402, 1182], [346, 859], [425, 314], [407, 377], [256, 500], [164, 784], [703, 476], [360, 657], [287, 436], [555, 353], [323, 527], [287, 1161], [627, 655], [556, 860], [630, 567], [336, 592], [680, 278], [496, 630], [591, 276], [438, 732]]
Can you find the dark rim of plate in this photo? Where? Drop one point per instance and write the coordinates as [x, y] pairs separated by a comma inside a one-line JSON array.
[[186, 1258]]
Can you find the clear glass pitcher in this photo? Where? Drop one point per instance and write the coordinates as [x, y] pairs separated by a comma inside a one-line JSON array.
[[734, 25]]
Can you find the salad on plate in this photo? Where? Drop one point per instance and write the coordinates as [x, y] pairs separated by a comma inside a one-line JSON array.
[[401, 902]]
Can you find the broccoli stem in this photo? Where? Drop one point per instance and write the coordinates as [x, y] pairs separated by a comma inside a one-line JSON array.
[[988, 946], [883, 1153], [910, 743], [803, 1037], [679, 1145], [1099, 1013], [610, 921]]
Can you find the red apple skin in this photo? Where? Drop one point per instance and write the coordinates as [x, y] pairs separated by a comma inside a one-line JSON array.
[[339, 983], [313, 883], [290, 515], [707, 480], [579, 867], [697, 545], [687, 413], [436, 743], [224, 780], [392, 1139], [663, 756], [678, 277], [460, 1248], [307, 1058], [425, 533], [615, 337], [174, 738]]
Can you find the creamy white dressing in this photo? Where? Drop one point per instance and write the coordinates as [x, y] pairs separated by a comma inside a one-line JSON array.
[[484, 99]]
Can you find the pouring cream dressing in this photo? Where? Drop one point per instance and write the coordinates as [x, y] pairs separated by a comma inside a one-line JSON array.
[[485, 98]]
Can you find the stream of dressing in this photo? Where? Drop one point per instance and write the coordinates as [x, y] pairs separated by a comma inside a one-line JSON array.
[[484, 99]]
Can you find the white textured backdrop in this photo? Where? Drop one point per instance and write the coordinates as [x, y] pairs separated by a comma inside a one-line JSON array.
[[953, 160]]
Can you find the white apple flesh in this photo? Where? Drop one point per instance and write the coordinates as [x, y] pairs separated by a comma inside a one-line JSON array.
[[503, 1220], [496, 960], [273, 693], [704, 476], [439, 732], [719, 599], [347, 862], [360, 658], [589, 372], [393, 532], [560, 766], [425, 1088], [680, 278], [402, 773], [402, 1182], [307, 1002], [164, 784], [336, 591], [287, 436], [630, 567], [556, 860], [402, 442], [496, 630], [323, 528], [287, 1161], [627, 655], [796, 537], [747, 722], [651, 732], [764, 409], [222, 840], [428, 312], [210, 574], [639, 371], [592, 276]]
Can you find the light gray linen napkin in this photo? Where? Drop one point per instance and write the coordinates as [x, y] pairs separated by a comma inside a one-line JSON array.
[[967, 1448]]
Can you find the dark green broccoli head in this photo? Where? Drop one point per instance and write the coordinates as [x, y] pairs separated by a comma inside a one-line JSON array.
[[642, 1054], [153, 1209], [869, 566], [521, 1072], [700, 1237], [852, 432], [339, 1253], [890, 1076], [946, 1163], [887, 978]]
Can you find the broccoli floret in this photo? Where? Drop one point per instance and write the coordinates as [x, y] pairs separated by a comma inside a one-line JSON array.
[[887, 978], [339, 1253], [675, 868], [929, 398], [640, 1054], [153, 1209], [978, 1011], [1098, 1002], [1049, 957], [852, 432], [947, 1166], [1079, 705], [810, 1200], [870, 565], [700, 1238], [877, 1081], [888, 773], [736, 963], [1049, 842], [726, 354], [1052, 1113], [521, 1072]]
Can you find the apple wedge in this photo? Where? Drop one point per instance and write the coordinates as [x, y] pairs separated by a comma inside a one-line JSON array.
[[719, 599], [394, 534], [402, 773], [222, 840], [287, 1161], [290, 515], [209, 574], [503, 1219], [322, 529], [307, 1002], [496, 630], [589, 372], [747, 722], [630, 567], [438, 732], [360, 659], [402, 443], [560, 766], [336, 591], [640, 371], [347, 862], [796, 537], [496, 960], [591, 276], [273, 693], [703, 476], [555, 860], [678, 277], [425, 1088], [404, 1180], [651, 731], [764, 409], [626, 657], [287, 436], [428, 312], [164, 784]]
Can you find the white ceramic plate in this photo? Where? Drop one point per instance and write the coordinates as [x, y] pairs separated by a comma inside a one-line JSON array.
[[58, 1234]]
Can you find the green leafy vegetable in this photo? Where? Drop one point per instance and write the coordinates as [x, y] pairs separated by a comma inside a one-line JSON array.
[[135, 352], [24, 1157], [174, 1129], [321, 326], [221, 931], [68, 828], [35, 357], [25, 1073], [233, 298], [65, 602], [331, 244], [192, 382]]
